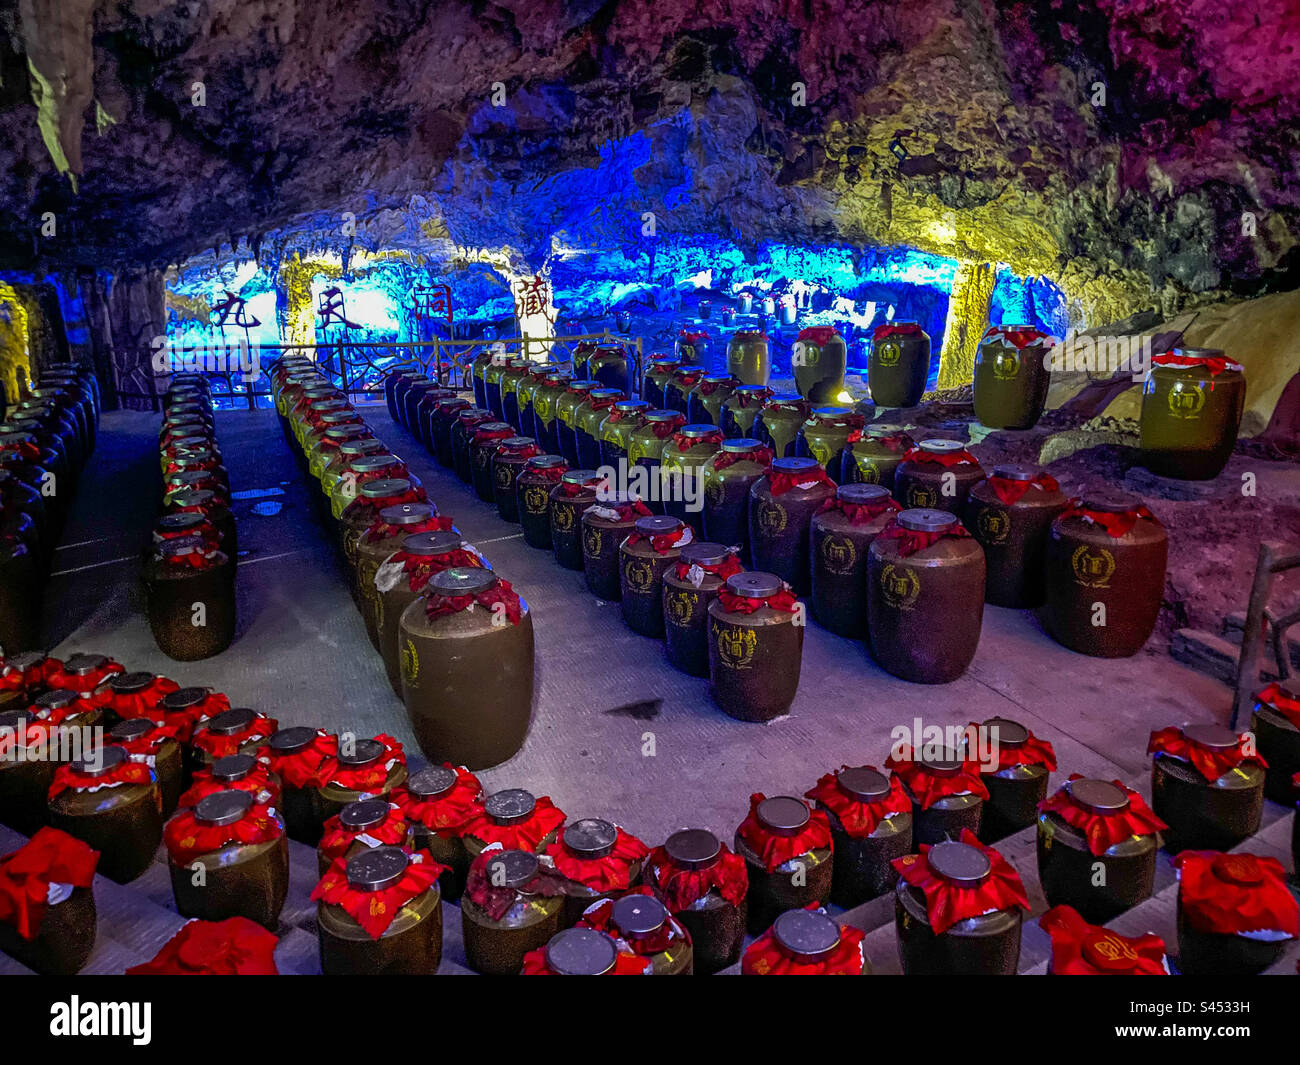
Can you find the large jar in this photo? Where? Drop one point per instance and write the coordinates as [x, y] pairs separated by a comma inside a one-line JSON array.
[[599, 860], [525, 391], [781, 509], [748, 358], [840, 538], [566, 409], [740, 410], [1011, 515], [130, 695], [533, 496], [644, 557], [937, 475], [870, 819], [704, 885], [654, 381], [157, 746], [780, 420], [1192, 401], [20, 595], [610, 367], [680, 386], [645, 449], [947, 793], [691, 348], [515, 372], [467, 668], [644, 928], [462, 431], [605, 525], [899, 365], [569, 499], [729, 474], [787, 852], [483, 444], [819, 360], [362, 769], [1207, 785], [615, 431], [755, 646], [428, 403], [301, 758], [439, 801], [361, 826], [806, 942], [1236, 915], [586, 424], [958, 911], [478, 376], [925, 597], [492, 377], [229, 857], [1105, 575], [546, 400], [682, 477], [513, 904], [1011, 376], [704, 403], [826, 436], [1095, 823], [408, 395], [378, 543], [240, 772], [56, 936], [380, 914], [689, 586], [511, 455], [1276, 725], [441, 420], [1017, 781], [114, 805], [372, 498], [189, 599], [26, 771], [395, 380], [582, 353]]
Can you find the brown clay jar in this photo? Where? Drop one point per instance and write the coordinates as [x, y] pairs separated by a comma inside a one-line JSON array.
[[605, 525], [1207, 814], [500, 929], [163, 753], [533, 495], [689, 586], [870, 820], [778, 879], [26, 773], [840, 538], [728, 477], [755, 647], [508, 462], [937, 475], [1276, 724], [361, 826], [716, 918], [568, 500], [781, 509], [438, 801], [1011, 515], [645, 556]]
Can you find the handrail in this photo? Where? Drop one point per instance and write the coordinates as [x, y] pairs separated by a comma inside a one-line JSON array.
[[1274, 558]]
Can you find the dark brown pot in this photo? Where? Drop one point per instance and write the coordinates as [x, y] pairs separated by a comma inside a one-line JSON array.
[[779, 525], [754, 659], [838, 550], [686, 607], [1014, 537]]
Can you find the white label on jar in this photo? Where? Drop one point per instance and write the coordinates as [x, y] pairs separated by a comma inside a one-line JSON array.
[[369, 840], [388, 576], [57, 893], [695, 575]]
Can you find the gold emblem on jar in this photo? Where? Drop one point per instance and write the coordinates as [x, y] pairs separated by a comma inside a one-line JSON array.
[[1006, 364], [1092, 566], [562, 516], [994, 525], [679, 608], [542, 407], [592, 541], [482, 456], [713, 492], [1185, 401], [888, 353], [639, 574], [503, 477], [920, 496], [838, 554], [771, 517], [736, 645], [868, 471], [535, 500], [900, 586], [821, 451], [410, 663], [635, 453]]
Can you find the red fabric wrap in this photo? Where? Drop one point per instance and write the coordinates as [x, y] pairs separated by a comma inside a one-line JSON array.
[[220, 746], [375, 910], [1275, 697], [1083, 949], [679, 888], [49, 857], [1229, 894], [1032, 752], [1021, 338], [940, 458], [600, 916], [11, 679], [610, 873], [394, 470], [212, 704], [419, 568], [685, 443], [233, 947], [784, 600], [572, 491], [1215, 364], [663, 430], [381, 530], [821, 335], [692, 337], [66, 778], [205, 531], [28, 450], [1116, 525], [496, 901], [624, 964], [449, 813], [859, 819], [81, 705], [522, 451], [775, 850], [482, 435], [549, 473], [926, 788], [661, 544], [187, 838], [761, 455], [59, 677], [1011, 492], [766, 957], [1105, 830], [1211, 763], [722, 569], [890, 329], [910, 541], [367, 778], [391, 831], [149, 744], [947, 902], [309, 768], [526, 835], [779, 483], [258, 783], [602, 403], [895, 442], [860, 513], [436, 606], [197, 560], [186, 463]]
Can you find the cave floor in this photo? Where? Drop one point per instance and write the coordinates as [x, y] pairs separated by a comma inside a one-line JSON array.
[[301, 654]]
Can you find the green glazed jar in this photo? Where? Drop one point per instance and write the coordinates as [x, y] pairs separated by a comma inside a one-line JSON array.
[[516, 370], [492, 378], [704, 403], [566, 410], [937, 475], [748, 357], [587, 418], [1011, 377], [654, 382], [1192, 401], [682, 469], [899, 365], [780, 421], [826, 436], [874, 457], [533, 378], [741, 409], [645, 444], [692, 347], [545, 409], [478, 376], [680, 385], [582, 354], [820, 359], [617, 427], [610, 367]]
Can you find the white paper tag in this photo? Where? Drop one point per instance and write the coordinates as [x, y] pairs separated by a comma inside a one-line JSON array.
[[369, 840], [389, 576], [696, 575], [57, 893]]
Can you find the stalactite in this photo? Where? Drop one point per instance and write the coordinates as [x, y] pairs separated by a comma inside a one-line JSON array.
[[60, 62], [968, 318]]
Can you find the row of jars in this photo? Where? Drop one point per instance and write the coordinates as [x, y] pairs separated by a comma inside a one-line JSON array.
[[190, 564], [45, 442], [416, 582]]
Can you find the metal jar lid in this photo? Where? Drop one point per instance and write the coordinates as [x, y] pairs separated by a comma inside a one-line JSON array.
[[339, 433], [805, 934], [13, 720], [1215, 737], [462, 580], [783, 398], [1108, 501], [431, 781], [654, 417], [377, 869], [57, 699], [605, 393], [581, 952], [384, 487], [863, 783], [922, 519], [27, 660], [665, 362], [658, 524], [947, 764], [1099, 796], [783, 815], [230, 722], [693, 848], [590, 838], [83, 664], [545, 462], [181, 520], [367, 445], [583, 385], [638, 916], [719, 379], [959, 863], [941, 447], [363, 814], [509, 807], [183, 698], [581, 477], [1015, 471], [199, 497], [110, 757], [428, 544], [631, 406], [831, 413], [512, 868], [407, 513], [371, 463], [291, 740], [223, 807], [1004, 732], [364, 752], [131, 683], [233, 767], [185, 477], [1290, 687], [133, 728], [704, 553], [698, 431], [754, 584], [795, 464], [741, 444], [493, 427], [861, 494]]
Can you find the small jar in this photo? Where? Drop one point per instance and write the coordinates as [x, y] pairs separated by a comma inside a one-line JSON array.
[[654, 381], [1105, 551], [189, 525], [1018, 784], [533, 494], [126, 696], [806, 942], [569, 499], [1236, 915], [925, 597], [378, 543], [978, 938], [187, 708], [729, 474], [870, 820], [610, 367], [189, 599], [681, 468], [616, 430], [755, 647], [642, 926], [507, 463], [740, 410], [819, 359], [229, 857], [704, 403], [1192, 400], [1083, 949], [301, 757], [690, 585], [483, 445], [512, 904], [439, 801], [26, 771], [840, 539], [680, 385], [1276, 725], [83, 672], [1207, 785], [704, 885], [380, 915], [748, 357], [644, 557], [781, 509], [1091, 823], [780, 420], [587, 419], [467, 667], [365, 769], [826, 436], [1011, 376], [691, 348], [578, 952], [566, 408], [462, 431], [361, 826], [947, 793], [598, 860], [546, 401], [787, 852], [114, 805], [899, 365], [236, 731], [937, 475], [1011, 516], [514, 817], [605, 525], [441, 421], [157, 747], [59, 939]]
